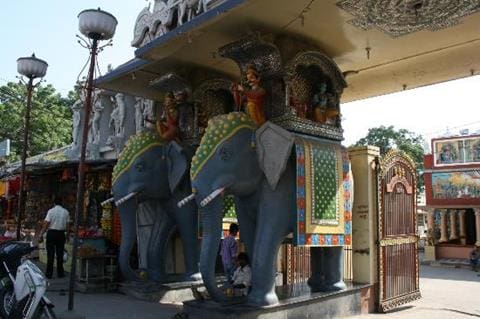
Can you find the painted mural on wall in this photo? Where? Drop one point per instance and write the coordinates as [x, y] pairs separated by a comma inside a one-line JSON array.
[[457, 151], [456, 185]]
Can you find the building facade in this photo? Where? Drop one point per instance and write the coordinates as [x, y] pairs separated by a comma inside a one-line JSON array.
[[452, 184]]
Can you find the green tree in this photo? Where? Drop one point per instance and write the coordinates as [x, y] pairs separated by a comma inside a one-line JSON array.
[[387, 138], [50, 122]]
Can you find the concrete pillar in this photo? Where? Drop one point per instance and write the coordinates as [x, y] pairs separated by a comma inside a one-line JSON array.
[[477, 225], [463, 229], [430, 244], [431, 219], [453, 224], [443, 226], [364, 214]]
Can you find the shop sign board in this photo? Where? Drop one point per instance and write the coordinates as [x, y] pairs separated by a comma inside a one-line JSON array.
[[456, 151]]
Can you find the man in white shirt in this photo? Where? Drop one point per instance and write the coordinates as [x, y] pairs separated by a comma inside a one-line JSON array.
[[57, 224], [242, 277]]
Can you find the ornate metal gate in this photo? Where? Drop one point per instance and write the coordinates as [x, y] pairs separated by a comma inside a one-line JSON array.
[[398, 259]]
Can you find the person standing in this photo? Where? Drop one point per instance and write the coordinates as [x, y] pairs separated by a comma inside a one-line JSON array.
[[56, 223], [228, 251]]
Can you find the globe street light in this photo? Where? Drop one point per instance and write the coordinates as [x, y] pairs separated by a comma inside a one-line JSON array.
[[96, 25], [32, 68]]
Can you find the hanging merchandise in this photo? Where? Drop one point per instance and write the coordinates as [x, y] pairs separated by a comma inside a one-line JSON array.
[[107, 221], [116, 230]]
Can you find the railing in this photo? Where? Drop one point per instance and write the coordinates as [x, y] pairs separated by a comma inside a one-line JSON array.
[[297, 264]]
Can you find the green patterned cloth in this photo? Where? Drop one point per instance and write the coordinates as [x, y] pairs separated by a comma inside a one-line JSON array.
[[136, 146], [325, 174], [229, 207]]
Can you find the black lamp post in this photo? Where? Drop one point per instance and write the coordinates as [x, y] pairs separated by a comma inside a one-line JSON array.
[[32, 68], [96, 25]]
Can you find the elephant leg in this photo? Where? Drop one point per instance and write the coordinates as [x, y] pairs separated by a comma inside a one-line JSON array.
[[317, 278], [157, 245], [327, 269], [274, 222], [333, 268], [246, 214], [187, 222]]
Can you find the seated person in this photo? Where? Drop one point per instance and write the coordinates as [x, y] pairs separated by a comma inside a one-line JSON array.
[[240, 283], [475, 257], [242, 277]]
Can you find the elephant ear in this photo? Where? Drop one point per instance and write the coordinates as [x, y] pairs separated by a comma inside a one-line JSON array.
[[177, 164], [274, 146]]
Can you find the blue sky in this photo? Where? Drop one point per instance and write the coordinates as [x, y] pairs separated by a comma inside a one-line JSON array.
[[48, 28]]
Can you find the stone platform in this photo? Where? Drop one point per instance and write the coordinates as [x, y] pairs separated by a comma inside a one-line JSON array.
[[296, 301], [175, 291]]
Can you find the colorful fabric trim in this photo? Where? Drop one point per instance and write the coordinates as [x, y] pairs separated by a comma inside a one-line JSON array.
[[219, 129], [136, 146], [323, 194]]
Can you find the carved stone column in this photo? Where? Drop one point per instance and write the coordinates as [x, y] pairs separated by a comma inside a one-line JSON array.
[[443, 226], [453, 224], [430, 227], [477, 225], [463, 230]]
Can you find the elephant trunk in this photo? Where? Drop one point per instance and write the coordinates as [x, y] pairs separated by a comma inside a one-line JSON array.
[[212, 229], [128, 218]]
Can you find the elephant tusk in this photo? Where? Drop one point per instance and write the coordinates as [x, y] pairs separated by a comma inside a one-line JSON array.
[[105, 202], [212, 196], [125, 198], [186, 200]]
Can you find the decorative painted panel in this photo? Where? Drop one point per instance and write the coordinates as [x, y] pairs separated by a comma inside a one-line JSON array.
[[397, 18], [323, 194], [456, 151], [456, 185]]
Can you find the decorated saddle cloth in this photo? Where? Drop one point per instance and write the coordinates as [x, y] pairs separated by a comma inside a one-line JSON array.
[[323, 193]]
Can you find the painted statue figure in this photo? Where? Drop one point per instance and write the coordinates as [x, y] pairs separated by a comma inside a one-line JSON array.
[[148, 113], [151, 169], [258, 168], [77, 109], [254, 97], [139, 120], [117, 117], [167, 124], [97, 115], [187, 9]]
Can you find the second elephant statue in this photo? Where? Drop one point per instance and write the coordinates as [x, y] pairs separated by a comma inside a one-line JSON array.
[[149, 169]]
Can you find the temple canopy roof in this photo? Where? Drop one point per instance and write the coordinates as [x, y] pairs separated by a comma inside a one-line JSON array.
[[382, 46]]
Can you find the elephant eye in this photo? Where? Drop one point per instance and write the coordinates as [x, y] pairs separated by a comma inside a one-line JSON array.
[[140, 167], [225, 153]]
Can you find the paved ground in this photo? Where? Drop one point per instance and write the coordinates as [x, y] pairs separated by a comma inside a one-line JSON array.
[[448, 293]]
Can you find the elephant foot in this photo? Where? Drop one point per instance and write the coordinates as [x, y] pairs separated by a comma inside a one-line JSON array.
[[327, 287], [262, 300], [155, 276], [193, 277]]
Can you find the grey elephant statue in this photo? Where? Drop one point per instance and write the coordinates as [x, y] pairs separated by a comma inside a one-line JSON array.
[[259, 167], [149, 169]]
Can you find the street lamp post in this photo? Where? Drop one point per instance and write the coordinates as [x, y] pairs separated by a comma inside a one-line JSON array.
[[96, 25], [32, 68]]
